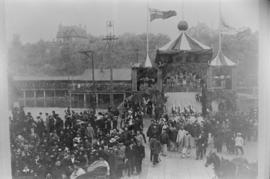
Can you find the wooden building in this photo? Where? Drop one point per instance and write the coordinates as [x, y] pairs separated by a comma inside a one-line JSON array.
[[75, 91]]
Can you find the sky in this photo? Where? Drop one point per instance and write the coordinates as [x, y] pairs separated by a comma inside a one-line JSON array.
[[39, 19]]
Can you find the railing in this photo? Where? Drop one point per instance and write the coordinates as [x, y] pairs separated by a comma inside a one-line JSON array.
[[181, 88], [77, 100]]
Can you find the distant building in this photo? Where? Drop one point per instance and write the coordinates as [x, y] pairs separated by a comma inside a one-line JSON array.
[[68, 34]]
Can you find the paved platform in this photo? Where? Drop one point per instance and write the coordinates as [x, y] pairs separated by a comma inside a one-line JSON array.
[[174, 167], [182, 99]]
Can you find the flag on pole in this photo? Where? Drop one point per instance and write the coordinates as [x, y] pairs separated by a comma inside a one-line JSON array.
[[158, 14], [229, 30]]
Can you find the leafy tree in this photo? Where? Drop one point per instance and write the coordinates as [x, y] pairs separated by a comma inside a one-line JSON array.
[[55, 58]]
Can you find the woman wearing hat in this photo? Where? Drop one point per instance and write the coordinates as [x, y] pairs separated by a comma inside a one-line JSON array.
[[239, 143]]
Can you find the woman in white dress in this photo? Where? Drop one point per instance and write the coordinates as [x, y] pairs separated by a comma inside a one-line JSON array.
[[210, 143], [180, 139]]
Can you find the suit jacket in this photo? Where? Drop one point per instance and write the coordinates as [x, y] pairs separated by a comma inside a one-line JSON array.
[[155, 146]]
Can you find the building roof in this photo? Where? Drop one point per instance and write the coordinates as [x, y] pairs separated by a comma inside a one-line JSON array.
[[120, 74], [183, 43], [221, 60]]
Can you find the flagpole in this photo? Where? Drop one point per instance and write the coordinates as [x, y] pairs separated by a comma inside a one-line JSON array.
[[147, 30], [182, 9], [219, 30]]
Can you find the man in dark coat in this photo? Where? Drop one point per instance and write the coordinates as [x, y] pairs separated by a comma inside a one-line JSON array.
[[201, 142], [51, 124], [153, 130], [139, 152], [218, 141], [59, 124], [40, 126], [68, 122], [129, 154], [155, 147], [115, 122]]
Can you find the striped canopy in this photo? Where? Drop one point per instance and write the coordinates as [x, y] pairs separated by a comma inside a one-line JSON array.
[[183, 43], [221, 60]]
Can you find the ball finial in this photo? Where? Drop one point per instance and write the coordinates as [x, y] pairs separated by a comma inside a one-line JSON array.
[[182, 25]]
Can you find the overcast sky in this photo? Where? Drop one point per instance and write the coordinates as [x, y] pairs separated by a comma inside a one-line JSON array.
[[39, 19]]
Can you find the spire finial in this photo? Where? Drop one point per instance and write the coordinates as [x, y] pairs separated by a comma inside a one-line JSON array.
[[182, 25]]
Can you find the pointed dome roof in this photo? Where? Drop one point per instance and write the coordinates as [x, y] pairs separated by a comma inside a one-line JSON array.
[[183, 42], [148, 63], [221, 60]]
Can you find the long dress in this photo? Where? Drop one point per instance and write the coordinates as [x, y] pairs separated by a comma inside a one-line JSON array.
[[210, 144]]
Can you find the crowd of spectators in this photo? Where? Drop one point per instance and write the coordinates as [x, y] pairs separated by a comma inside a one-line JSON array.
[[79, 144], [186, 130], [51, 147], [183, 80]]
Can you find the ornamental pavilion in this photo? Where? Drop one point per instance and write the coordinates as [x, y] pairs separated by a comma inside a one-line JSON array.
[[183, 69]]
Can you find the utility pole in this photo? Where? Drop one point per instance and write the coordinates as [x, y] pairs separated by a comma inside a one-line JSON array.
[[90, 54], [110, 39]]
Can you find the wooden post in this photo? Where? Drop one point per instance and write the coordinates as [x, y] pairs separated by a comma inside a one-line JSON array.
[[111, 83], [54, 98], [233, 77], [84, 100], [111, 99], [44, 98], [134, 79], [97, 100], [24, 97], [209, 78], [35, 98], [70, 101], [159, 79]]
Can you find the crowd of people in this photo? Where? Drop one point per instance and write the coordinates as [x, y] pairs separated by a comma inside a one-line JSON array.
[[83, 143], [188, 131], [113, 143], [183, 80]]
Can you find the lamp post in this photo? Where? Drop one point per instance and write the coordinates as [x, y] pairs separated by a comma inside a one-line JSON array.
[[90, 54]]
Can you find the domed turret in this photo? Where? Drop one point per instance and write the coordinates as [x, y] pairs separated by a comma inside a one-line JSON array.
[[182, 26]]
